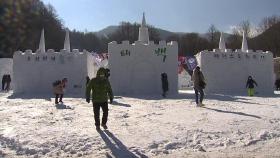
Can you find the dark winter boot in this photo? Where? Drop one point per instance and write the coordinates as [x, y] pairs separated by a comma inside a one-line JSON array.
[[104, 126], [60, 98], [56, 99], [98, 128]]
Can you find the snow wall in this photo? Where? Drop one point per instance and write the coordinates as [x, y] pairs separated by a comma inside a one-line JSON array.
[[228, 71], [35, 72], [277, 67], [136, 68]]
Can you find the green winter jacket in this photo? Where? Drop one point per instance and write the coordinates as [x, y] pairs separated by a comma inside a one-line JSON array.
[[100, 87]]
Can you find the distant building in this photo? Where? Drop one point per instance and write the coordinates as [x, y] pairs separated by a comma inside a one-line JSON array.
[[136, 68], [226, 71]]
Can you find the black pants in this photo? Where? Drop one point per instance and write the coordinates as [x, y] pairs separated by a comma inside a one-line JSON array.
[[60, 98], [164, 93], [96, 110], [200, 91], [3, 85], [7, 86]]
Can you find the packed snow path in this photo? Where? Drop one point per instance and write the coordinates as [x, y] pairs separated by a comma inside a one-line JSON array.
[[229, 126]]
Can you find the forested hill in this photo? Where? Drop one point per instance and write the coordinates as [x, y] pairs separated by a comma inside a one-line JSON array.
[[268, 40], [21, 22]]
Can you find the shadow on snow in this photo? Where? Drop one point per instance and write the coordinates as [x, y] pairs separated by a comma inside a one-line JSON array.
[[232, 112], [118, 149], [62, 106], [115, 103], [46, 96], [242, 98]]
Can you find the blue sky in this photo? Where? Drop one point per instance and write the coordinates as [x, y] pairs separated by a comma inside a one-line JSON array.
[[172, 15]]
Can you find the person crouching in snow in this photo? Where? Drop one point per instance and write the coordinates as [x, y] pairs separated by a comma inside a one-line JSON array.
[[250, 85], [58, 89], [164, 83], [198, 85], [101, 90]]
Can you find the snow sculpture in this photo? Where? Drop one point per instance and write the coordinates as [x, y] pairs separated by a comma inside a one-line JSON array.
[[227, 71], [136, 68], [35, 72]]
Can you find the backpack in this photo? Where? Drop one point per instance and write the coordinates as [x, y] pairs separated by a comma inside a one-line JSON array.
[[56, 83]]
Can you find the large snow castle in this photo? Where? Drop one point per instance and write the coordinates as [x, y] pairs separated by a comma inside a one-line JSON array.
[[136, 68], [226, 71], [35, 72]]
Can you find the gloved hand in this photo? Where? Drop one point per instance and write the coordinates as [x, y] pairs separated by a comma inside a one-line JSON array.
[[111, 100], [88, 100]]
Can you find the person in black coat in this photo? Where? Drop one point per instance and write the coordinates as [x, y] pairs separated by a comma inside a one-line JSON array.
[[164, 82], [8, 81], [4, 80], [277, 84], [250, 85]]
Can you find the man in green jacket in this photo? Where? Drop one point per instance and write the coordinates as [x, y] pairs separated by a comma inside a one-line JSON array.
[[101, 90]]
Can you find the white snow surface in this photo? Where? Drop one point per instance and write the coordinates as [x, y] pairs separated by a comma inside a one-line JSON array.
[[146, 126]]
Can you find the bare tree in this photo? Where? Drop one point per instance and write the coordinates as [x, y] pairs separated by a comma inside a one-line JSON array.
[[192, 43], [267, 22], [212, 32], [245, 26], [128, 31], [213, 36]]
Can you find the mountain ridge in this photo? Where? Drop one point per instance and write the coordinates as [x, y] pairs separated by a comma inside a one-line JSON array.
[[163, 34]]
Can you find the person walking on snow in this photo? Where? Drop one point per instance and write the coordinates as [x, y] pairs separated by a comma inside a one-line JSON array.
[[198, 85], [277, 84], [101, 90], [8, 82], [4, 80], [250, 85], [164, 83]]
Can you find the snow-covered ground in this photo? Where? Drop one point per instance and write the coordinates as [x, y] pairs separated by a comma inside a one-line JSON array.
[[229, 126]]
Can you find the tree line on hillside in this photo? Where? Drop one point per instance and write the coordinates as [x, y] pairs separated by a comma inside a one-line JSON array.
[[21, 23]]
